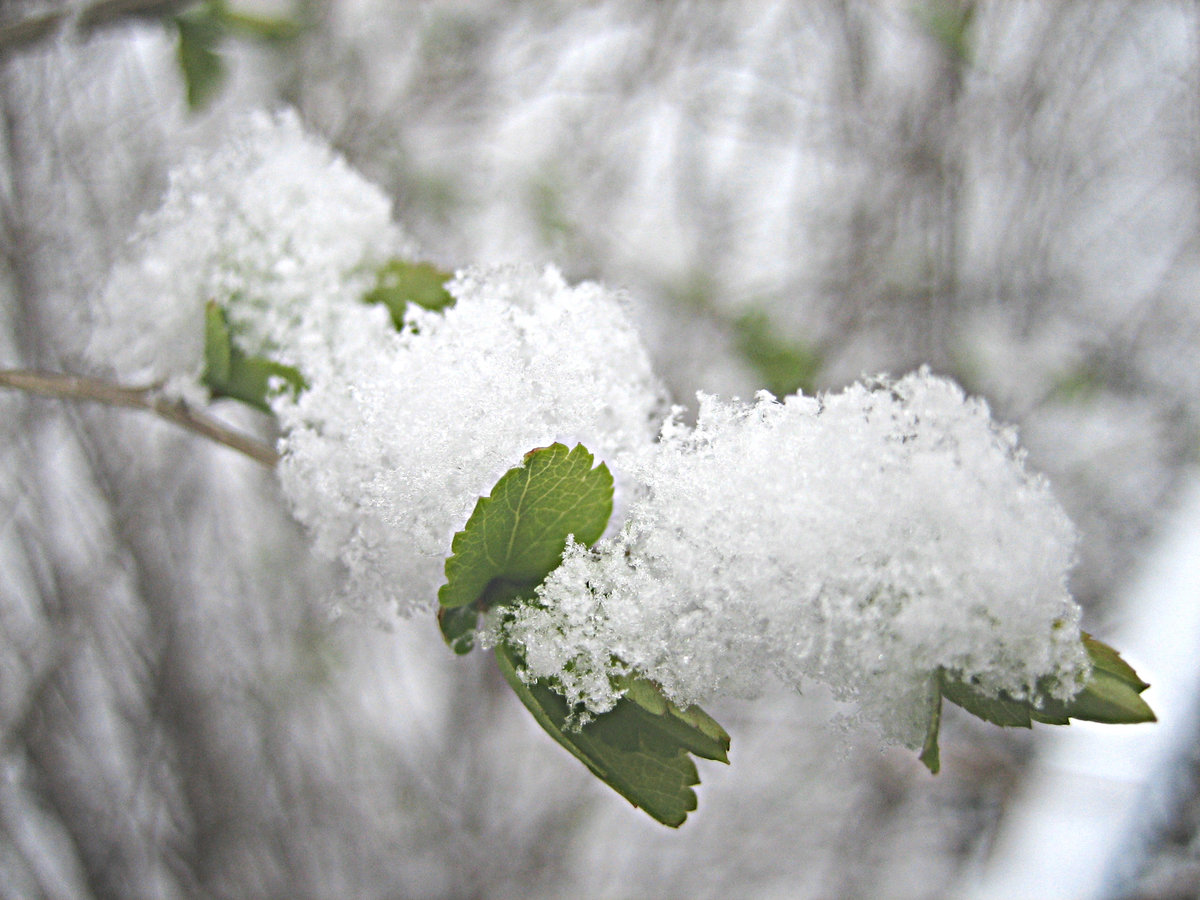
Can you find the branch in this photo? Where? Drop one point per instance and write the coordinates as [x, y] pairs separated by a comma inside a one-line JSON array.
[[75, 387], [20, 33]]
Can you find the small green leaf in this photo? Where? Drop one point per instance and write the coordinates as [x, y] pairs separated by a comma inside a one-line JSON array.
[[218, 344], [516, 535], [1080, 384], [458, 627], [930, 754], [1111, 696], [1106, 659], [949, 23], [1105, 699], [203, 27], [639, 748], [1001, 710], [783, 367], [228, 372], [691, 728], [399, 282], [200, 34]]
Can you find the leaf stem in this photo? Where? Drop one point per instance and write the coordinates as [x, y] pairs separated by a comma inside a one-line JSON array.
[[77, 387]]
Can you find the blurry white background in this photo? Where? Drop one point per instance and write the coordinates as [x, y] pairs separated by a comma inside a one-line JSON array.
[[793, 194]]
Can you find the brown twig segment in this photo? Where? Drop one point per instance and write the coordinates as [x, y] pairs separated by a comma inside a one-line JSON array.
[[19, 33], [77, 387]]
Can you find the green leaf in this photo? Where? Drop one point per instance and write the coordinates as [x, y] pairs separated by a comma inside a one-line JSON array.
[[692, 728], [458, 627], [930, 754], [784, 367], [639, 748], [1106, 659], [218, 345], [399, 282], [1111, 696], [203, 27], [228, 372], [949, 23], [201, 31], [1001, 710], [516, 535], [1104, 699], [514, 538]]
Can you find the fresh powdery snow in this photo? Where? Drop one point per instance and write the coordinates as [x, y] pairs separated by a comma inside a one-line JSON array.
[[861, 539], [274, 226], [385, 456]]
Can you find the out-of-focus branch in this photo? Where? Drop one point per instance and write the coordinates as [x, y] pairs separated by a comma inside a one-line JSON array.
[[75, 387], [20, 33]]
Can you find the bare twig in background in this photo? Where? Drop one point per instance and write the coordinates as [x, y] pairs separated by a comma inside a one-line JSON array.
[[75, 387], [20, 33]]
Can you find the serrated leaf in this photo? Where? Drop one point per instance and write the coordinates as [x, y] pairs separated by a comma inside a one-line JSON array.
[[1106, 659], [516, 535], [1001, 710], [228, 372], [1111, 696], [1105, 699], [640, 753], [692, 728], [399, 282]]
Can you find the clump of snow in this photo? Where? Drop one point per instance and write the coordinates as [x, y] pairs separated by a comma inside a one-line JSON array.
[[274, 226], [860, 539], [400, 434]]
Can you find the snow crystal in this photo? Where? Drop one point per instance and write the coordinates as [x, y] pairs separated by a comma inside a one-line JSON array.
[[860, 539], [274, 226], [400, 433]]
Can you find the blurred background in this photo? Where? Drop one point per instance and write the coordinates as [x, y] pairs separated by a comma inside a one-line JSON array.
[[793, 195]]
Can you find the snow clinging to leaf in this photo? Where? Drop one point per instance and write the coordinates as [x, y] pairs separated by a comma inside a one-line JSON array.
[[860, 539], [388, 451], [274, 227]]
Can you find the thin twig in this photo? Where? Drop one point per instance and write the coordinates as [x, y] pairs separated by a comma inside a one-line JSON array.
[[18, 33], [76, 387]]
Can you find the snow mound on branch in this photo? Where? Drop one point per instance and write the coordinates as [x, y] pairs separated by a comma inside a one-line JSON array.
[[860, 539], [400, 434], [274, 226]]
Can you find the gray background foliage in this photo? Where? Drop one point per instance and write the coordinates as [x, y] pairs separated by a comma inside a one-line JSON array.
[[178, 715]]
